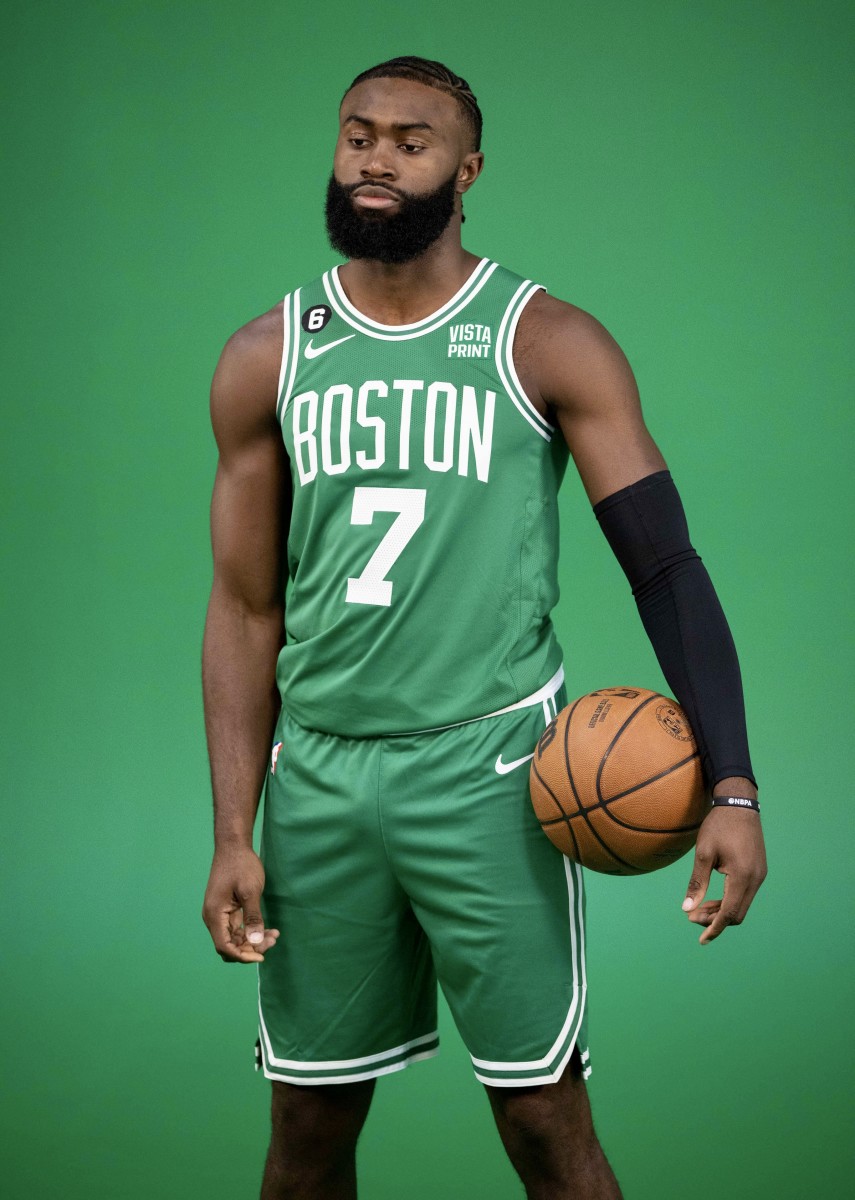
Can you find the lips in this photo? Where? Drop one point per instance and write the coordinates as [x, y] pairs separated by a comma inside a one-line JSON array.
[[371, 196]]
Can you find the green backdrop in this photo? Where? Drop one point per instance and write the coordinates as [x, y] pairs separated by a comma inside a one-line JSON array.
[[678, 169]]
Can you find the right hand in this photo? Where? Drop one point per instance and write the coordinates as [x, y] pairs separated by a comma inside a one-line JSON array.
[[232, 906]]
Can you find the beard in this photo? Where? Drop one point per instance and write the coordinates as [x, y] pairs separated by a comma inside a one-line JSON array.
[[399, 238]]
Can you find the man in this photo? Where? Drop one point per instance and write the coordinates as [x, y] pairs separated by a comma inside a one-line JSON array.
[[392, 438]]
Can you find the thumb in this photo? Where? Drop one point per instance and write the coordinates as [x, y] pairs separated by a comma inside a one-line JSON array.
[[253, 922], [699, 882]]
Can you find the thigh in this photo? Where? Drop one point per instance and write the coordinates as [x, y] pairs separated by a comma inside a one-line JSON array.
[[504, 910], [316, 1119], [348, 991], [562, 1107], [313, 1138]]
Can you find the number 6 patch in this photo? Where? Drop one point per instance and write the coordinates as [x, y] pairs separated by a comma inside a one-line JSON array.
[[316, 317]]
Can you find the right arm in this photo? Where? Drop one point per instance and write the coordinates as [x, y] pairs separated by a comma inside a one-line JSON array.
[[244, 629]]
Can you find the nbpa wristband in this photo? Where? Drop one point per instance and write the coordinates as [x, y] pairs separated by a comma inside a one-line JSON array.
[[735, 802]]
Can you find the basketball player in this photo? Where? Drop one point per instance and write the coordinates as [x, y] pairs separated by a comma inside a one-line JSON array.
[[392, 438]]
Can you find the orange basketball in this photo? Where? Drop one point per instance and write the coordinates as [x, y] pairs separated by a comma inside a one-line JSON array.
[[616, 781]]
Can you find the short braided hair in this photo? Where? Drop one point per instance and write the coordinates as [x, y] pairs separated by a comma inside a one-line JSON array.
[[433, 74]]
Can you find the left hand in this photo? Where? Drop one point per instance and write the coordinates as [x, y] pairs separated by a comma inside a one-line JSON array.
[[731, 842]]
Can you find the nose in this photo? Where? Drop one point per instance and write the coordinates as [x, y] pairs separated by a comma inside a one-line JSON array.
[[379, 162]]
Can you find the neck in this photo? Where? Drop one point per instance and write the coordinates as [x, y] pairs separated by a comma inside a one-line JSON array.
[[401, 293]]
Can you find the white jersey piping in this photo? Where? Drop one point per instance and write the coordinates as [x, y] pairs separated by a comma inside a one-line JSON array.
[[294, 352], [470, 280], [286, 345], [358, 321], [509, 354], [507, 371]]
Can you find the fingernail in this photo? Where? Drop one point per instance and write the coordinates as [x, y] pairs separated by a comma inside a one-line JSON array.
[[255, 937], [688, 903]]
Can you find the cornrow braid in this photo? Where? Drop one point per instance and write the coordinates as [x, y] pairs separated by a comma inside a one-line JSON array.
[[433, 74]]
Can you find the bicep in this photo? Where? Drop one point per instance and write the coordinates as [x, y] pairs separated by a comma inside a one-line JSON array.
[[593, 393], [250, 506], [249, 527]]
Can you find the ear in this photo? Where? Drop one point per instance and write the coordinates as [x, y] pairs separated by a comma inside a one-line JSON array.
[[470, 169]]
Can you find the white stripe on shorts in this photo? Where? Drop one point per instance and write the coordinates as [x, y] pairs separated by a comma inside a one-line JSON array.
[[331, 1064], [572, 872]]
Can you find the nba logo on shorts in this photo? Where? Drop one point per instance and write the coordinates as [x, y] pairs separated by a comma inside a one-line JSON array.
[[274, 756]]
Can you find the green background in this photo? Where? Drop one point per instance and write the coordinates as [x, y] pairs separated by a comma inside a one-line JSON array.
[[678, 169]]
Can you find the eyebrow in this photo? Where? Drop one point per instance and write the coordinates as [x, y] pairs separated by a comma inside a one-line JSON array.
[[406, 125]]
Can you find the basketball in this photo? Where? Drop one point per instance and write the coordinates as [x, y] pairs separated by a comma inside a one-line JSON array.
[[616, 781]]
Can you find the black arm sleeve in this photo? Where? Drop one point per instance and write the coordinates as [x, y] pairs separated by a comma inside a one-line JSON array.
[[646, 528]]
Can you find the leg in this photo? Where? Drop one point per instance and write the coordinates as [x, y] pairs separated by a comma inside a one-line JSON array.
[[549, 1136], [312, 1153]]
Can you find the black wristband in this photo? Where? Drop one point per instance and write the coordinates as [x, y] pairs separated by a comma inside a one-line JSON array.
[[735, 802]]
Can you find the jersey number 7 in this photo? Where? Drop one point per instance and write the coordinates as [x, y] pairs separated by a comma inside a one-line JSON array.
[[372, 586]]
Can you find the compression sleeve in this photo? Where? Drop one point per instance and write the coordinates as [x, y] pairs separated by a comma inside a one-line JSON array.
[[646, 528]]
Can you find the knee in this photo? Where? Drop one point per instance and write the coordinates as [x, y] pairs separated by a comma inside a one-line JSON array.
[[530, 1114], [313, 1139], [546, 1120]]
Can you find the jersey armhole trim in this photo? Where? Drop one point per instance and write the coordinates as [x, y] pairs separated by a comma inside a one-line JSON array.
[[286, 346], [505, 360], [290, 350]]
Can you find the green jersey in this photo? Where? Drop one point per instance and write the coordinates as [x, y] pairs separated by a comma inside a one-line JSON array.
[[423, 544]]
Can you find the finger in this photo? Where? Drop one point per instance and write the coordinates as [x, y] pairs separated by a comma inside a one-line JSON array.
[[750, 892], [229, 938], [221, 926], [237, 931], [269, 940], [238, 949], [700, 880], [253, 922], [731, 904], [704, 913], [233, 952]]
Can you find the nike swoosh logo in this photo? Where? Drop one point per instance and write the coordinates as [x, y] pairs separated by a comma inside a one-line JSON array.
[[503, 768], [313, 351]]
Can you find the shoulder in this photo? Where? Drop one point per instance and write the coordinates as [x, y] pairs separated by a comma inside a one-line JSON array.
[[547, 322], [244, 390], [561, 350], [256, 346]]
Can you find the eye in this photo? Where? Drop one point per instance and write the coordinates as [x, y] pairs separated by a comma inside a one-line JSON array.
[[358, 142], [411, 147]]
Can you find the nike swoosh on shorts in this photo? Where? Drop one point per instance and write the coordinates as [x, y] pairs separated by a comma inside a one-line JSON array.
[[313, 351], [503, 768]]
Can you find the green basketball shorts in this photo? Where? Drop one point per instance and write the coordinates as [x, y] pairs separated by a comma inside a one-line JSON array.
[[393, 862]]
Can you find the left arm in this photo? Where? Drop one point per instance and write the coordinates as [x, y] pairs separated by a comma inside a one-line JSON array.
[[576, 373]]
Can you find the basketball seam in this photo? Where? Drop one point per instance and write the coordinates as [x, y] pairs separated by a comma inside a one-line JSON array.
[[638, 708], [617, 858], [604, 804], [565, 816]]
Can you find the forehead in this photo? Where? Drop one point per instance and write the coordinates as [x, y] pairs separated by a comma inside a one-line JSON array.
[[402, 102]]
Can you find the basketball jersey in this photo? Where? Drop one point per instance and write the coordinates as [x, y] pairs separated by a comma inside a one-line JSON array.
[[423, 543]]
